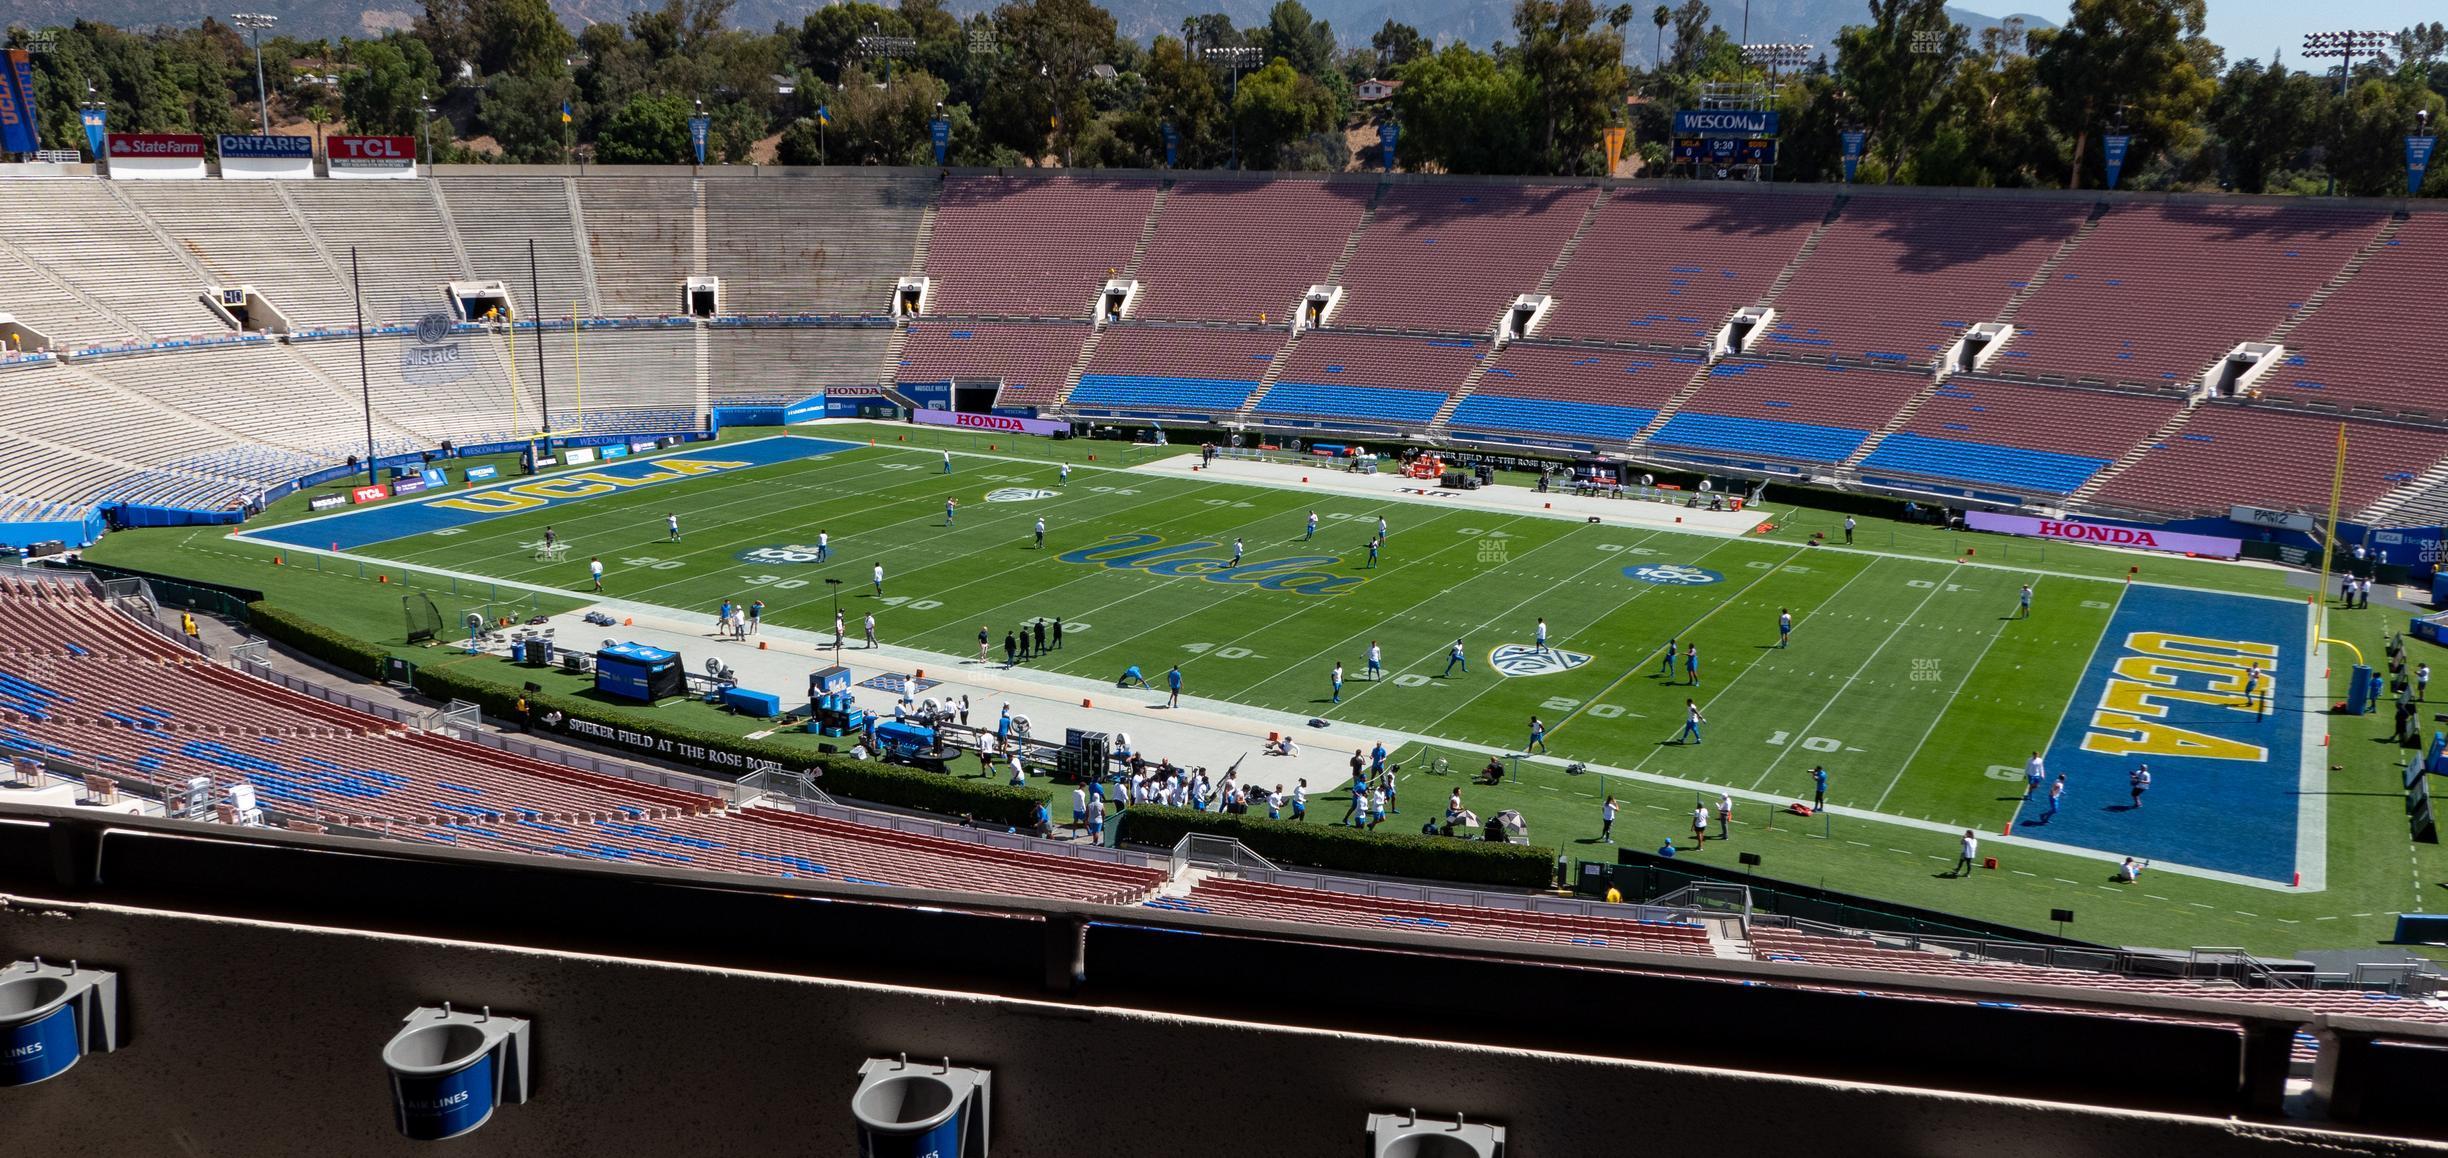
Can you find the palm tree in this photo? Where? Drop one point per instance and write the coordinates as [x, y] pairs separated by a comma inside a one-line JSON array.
[[1661, 17]]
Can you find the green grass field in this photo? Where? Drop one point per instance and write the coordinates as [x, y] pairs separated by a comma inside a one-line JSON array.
[[1908, 675]]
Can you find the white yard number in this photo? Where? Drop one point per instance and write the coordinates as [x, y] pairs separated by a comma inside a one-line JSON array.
[[1926, 584], [2003, 772], [1811, 743], [651, 563], [1206, 649], [1412, 679], [776, 582]]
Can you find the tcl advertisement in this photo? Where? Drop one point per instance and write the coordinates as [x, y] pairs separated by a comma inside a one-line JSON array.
[[372, 494], [361, 157]]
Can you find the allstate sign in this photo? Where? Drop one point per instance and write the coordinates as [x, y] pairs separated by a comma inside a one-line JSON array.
[[1725, 123], [1673, 574]]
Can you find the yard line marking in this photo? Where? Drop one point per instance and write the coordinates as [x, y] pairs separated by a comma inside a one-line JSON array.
[[2021, 873], [1943, 708], [2063, 881], [2114, 606], [1643, 663], [1867, 660]]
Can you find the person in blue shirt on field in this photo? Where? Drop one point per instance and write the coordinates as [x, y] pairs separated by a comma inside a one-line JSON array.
[[1818, 787], [1538, 736], [1173, 681], [1131, 675], [1372, 560], [1377, 757], [1691, 663], [1784, 627], [1667, 849], [1666, 664]]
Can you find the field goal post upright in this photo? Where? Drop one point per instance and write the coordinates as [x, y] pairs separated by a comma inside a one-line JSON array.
[[540, 438]]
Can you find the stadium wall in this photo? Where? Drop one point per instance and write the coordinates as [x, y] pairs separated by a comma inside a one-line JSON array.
[[81, 531], [687, 1013]]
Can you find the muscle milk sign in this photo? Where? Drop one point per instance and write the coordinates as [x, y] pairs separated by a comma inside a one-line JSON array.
[[2101, 535], [357, 157]]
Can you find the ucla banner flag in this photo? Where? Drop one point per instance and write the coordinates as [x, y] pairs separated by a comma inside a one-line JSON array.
[[17, 104], [697, 134], [2418, 162], [1387, 134], [97, 129], [1854, 139], [941, 128], [1172, 140], [2115, 145]]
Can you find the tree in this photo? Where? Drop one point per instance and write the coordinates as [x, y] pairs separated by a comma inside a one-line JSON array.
[[1576, 74], [1660, 16], [2370, 124], [522, 38], [1278, 108], [2265, 120], [1462, 112], [649, 130], [523, 115], [1040, 94], [1896, 68], [1396, 45], [1295, 37], [1691, 24], [393, 78], [2144, 59], [1184, 91], [828, 39]]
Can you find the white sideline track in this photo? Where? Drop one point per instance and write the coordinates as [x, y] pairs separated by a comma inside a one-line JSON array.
[[1329, 476]]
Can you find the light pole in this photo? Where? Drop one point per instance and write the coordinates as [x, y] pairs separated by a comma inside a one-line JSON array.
[[256, 22], [835, 585], [877, 44], [2343, 47], [1775, 57], [1236, 60], [425, 126]]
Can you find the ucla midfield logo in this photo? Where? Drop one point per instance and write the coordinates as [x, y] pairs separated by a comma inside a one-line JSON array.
[[786, 553], [1017, 495], [1522, 659], [1298, 574], [1673, 574]]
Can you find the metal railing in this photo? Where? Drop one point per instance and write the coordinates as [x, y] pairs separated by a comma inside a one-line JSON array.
[[1724, 900], [1393, 890], [1219, 853]]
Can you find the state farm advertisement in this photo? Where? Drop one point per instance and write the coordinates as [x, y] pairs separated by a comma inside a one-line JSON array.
[[2103, 535], [992, 423], [157, 145]]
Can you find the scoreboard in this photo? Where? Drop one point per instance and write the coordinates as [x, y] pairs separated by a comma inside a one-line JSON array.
[[1725, 150]]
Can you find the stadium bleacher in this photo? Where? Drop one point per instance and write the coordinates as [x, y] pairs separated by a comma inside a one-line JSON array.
[[2156, 293], [1668, 266], [1370, 379], [2286, 457], [1788, 410], [1175, 370], [815, 244], [1448, 258], [1033, 247], [2368, 345], [2014, 436], [1577, 393], [1233, 252], [1941, 266], [1030, 360]]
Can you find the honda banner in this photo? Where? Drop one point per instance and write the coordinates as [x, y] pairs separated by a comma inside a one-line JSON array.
[[995, 423], [361, 157], [2103, 535]]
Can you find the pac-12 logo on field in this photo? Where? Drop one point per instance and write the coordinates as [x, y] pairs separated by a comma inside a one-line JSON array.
[[1017, 495], [1522, 659], [1673, 574], [786, 553]]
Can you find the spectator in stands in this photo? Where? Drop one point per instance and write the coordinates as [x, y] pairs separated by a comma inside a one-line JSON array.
[[187, 624], [1971, 849], [525, 714]]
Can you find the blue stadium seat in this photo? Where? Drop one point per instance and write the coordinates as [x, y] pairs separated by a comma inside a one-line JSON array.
[[2037, 470], [1214, 395], [1366, 403], [1786, 440]]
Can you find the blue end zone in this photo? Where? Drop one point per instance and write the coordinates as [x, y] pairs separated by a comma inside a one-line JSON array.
[[397, 519], [1982, 462], [2225, 789]]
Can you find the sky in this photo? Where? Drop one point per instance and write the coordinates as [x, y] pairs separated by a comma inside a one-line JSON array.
[[2251, 28]]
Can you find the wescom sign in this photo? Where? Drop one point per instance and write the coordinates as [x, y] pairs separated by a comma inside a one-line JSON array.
[[2142, 538]]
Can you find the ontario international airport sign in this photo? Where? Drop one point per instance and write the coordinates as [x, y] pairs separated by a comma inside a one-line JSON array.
[[994, 423], [2104, 535]]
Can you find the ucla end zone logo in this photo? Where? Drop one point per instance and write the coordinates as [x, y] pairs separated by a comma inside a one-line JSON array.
[[1017, 495], [1522, 659], [1673, 574], [787, 553], [1153, 555]]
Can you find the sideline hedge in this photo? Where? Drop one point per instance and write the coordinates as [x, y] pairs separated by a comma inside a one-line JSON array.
[[347, 653], [1329, 846]]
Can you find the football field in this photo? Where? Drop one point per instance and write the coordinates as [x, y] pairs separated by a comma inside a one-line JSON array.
[[1915, 681]]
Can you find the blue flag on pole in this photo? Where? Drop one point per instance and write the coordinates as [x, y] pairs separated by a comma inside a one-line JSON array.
[[824, 115], [941, 129], [97, 130], [2115, 145], [1387, 134], [2418, 162], [697, 134], [1172, 143], [17, 103], [1853, 141]]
